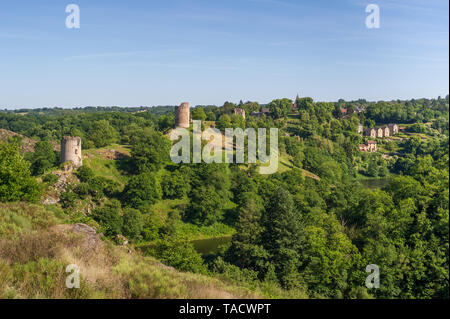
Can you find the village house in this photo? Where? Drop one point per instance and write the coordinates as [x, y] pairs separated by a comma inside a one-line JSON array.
[[370, 147], [360, 129], [264, 111], [393, 128], [358, 110], [379, 131], [371, 132], [386, 131]]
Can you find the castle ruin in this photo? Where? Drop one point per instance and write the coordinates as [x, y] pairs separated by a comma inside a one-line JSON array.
[[71, 150], [240, 112], [182, 115]]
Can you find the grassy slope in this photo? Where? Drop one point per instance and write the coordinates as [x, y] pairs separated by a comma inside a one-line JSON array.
[[35, 249], [105, 163]]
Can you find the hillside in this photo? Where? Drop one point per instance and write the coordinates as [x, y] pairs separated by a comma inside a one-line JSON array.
[[27, 144], [36, 245]]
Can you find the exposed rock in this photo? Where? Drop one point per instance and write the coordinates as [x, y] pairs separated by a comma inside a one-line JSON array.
[[122, 240], [50, 201], [113, 154], [90, 240], [65, 178]]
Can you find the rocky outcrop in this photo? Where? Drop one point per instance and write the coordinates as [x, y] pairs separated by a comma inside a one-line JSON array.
[[65, 178], [89, 239]]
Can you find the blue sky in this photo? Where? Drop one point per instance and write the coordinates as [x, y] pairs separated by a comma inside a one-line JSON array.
[[133, 53]]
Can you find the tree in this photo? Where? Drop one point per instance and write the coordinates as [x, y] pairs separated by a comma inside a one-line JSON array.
[[198, 113], [372, 169], [210, 193], [43, 158], [150, 150], [383, 169], [280, 108], [246, 250], [206, 206], [211, 116], [224, 122], [85, 173], [179, 253], [142, 190], [109, 218], [132, 224], [237, 121], [412, 144], [16, 182], [102, 133], [283, 237], [175, 185]]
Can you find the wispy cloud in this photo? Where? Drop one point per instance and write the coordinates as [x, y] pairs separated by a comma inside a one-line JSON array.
[[421, 58], [285, 43], [14, 36], [186, 66], [277, 3], [419, 5], [120, 54], [104, 55]]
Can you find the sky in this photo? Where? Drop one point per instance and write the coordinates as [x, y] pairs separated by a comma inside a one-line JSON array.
[[145, 53]]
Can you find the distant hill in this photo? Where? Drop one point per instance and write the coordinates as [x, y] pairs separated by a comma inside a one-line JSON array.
[[28, 144]]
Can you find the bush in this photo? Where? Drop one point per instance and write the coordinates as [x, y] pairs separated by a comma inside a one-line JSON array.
[[109, 218], [175, 185], [50, 179], [67, 199], [43, 158], [85, 173], [179, 254], [16, 182], [141, 190], [132, 224], [82, 190]]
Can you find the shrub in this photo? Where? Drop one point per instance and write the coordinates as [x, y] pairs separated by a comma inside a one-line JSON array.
[[175, 185], [132, 224], [67, 199], [50, 179], [143, 189], [82, 190], [16, 182], [109, 218], [85, 173], [179, 254]]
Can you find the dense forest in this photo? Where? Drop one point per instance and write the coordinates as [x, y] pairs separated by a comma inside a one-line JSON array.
[[308, 231]]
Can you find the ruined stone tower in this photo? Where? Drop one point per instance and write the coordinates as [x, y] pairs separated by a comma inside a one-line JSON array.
[[182, 115], [71, 150], [240, 112]]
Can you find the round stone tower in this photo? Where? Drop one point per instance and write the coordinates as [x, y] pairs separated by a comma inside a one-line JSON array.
[[182, 115], [71, 150]]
